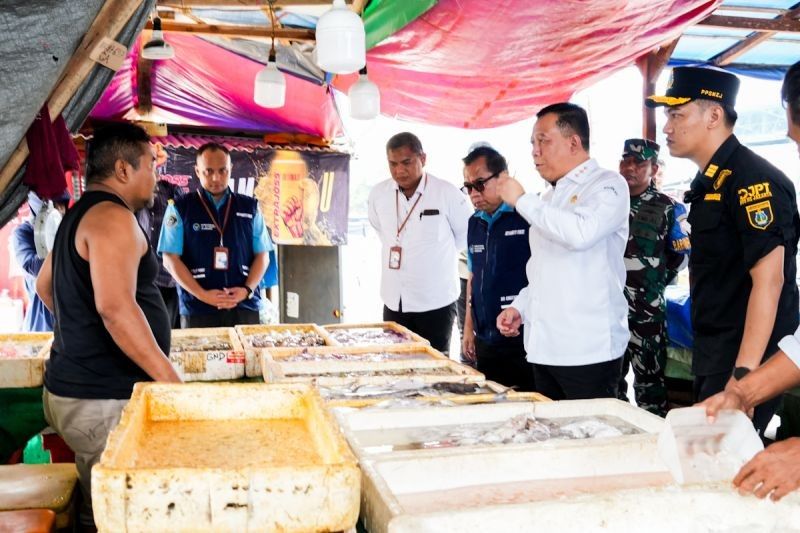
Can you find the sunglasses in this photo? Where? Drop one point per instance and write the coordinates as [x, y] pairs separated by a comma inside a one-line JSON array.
[[479, 184]]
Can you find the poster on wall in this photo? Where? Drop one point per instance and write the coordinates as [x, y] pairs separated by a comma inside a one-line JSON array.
[[303, 196]]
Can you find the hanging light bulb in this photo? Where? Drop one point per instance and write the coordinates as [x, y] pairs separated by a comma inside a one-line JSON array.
[[341, 40], [269, 89], [270, 85], [157, 47], [365, 98]]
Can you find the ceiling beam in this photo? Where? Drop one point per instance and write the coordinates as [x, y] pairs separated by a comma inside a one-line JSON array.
[[262, 32], [753, 9], [736, 51], [752, 24], [244, 3]]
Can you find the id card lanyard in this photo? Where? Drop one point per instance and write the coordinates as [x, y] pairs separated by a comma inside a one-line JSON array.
[[220, 252], [396, 251]]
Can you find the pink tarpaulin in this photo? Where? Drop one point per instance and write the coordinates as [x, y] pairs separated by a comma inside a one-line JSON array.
[[207, 85], [477, 64]]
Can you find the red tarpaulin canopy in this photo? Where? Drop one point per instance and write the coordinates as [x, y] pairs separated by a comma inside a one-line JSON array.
[[207, 85], [474, 64]]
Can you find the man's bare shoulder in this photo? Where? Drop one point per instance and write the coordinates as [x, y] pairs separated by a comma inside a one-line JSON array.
[[107, 217], [109, 225]]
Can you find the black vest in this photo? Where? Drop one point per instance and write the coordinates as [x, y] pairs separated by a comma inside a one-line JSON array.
[[200, 237], [499, 255], [85, 362]]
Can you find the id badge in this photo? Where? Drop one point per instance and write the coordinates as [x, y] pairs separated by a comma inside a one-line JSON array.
[[395, 257], [220, 258]]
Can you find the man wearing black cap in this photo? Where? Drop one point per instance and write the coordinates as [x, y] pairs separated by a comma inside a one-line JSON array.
[[744, 225], [657, 246]]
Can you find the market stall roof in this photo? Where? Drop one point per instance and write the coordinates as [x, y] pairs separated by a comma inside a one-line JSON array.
[[475, 64], [758, 38], [206, 84]]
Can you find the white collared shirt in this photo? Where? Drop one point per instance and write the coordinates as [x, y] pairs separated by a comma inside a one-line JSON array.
[[574, 307], [790, 345], [436, 230]]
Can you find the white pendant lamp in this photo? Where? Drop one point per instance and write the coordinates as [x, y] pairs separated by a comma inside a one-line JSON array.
[[269, 89], [341, 40], [270, 85], [365, 98], [157, 48]]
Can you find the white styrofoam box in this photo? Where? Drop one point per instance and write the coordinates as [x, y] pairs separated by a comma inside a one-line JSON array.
[[617, 486], [377, 431], [431, 370], [691, 447], [22, 357], [203, 457], [253, 353], [334, 330], [211, 364]]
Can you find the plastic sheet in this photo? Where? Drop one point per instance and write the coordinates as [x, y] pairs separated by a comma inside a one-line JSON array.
[[486, 64], [207, 85]]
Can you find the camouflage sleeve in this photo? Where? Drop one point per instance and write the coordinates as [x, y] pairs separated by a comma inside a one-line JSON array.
[[678, 246]]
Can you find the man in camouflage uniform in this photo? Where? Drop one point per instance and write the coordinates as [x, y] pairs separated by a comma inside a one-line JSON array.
[[657, 247]]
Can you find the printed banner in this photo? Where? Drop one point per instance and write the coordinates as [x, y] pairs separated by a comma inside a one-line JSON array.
[[303, 196]]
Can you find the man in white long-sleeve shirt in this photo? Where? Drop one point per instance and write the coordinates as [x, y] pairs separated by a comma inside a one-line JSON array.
[[422, 224], [574, 307], [775, 471]]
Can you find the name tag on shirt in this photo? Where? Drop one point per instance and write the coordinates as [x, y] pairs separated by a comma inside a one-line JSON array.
[[512, 232], [244, 215]]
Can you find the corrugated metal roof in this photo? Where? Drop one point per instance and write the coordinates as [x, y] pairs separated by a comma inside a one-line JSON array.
[[702, 44], [239, 144]]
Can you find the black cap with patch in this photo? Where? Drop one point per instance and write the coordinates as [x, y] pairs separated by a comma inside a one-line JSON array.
[[693, 83], [641, 149]]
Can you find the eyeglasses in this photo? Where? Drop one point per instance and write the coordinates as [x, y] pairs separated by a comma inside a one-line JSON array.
[[479, 184]]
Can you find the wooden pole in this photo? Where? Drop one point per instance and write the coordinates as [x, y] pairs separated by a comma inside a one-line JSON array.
[[651, 65], [109, 21]]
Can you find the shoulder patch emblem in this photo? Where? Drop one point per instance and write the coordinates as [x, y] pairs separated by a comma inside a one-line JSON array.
[[711, 171], [723, 175], [753, 193], [760, 215]]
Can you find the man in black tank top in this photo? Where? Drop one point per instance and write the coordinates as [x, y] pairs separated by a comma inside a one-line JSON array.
[[111, 326]]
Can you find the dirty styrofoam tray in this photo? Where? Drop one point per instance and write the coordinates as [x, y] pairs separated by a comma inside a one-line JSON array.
[[22, 357], [423, 394], [259, 337], [342, 359], [432, 369], [373, 334], [225, 457], [207, 354], [444, 429], [598, 486]]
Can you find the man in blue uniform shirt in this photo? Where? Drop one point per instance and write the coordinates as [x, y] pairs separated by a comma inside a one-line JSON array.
[[37, 316], [497, 252], [215, 245]]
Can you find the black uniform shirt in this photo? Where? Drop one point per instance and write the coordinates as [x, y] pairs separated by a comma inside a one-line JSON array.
[[742, 209]]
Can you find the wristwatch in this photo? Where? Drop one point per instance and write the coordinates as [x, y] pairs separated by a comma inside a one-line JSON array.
[[740, 372], [249, 291]]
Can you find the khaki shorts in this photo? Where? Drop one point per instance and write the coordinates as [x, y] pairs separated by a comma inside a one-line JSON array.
[[84, 425]]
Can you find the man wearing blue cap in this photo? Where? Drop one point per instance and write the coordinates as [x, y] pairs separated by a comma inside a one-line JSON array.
[[744, 225]]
